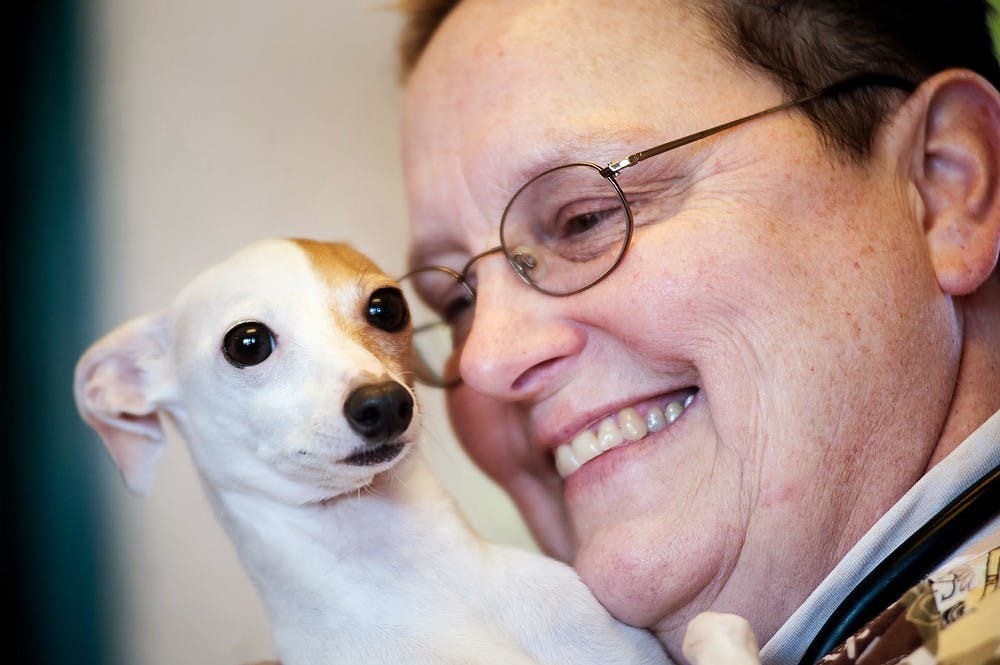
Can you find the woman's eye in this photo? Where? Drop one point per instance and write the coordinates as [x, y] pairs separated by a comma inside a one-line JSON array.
[[249, 343], [581, 223], [573, 222], [458, 316], [457, 309], [387, 310]]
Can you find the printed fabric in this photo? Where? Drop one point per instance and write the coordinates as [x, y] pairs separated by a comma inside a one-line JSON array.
[[950, 618]]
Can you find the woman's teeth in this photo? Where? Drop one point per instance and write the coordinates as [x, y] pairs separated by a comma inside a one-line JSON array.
[[613, 431]]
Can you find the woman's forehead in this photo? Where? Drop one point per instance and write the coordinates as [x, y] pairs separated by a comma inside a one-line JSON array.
[[531, 71], [505, 91]]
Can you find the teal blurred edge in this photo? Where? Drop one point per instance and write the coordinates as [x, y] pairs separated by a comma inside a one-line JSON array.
[[59, 582], [995, 25]]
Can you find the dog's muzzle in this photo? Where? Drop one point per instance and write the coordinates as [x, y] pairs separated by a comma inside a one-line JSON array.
[[380, 412]]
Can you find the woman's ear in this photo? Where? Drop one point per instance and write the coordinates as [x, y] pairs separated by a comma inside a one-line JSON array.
[[955, 158]]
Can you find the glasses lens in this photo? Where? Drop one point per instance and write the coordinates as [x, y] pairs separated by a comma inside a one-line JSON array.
[[566, 229], [441, 308], [433, 355]]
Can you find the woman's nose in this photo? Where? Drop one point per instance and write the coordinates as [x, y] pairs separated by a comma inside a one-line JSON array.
[[519, 338]]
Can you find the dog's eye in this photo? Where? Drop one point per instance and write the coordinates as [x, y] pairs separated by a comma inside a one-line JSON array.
[[387, 310], [249, 343]]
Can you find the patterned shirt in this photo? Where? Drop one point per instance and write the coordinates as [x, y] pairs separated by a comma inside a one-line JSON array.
[[951, 617], [976, 456]]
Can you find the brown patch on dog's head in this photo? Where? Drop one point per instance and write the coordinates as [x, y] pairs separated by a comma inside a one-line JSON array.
[[351, 278]]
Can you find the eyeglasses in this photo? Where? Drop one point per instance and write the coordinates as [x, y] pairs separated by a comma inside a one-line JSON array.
[[562, 232]]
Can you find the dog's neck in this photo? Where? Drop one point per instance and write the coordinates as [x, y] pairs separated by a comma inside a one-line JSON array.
[[393, 574], [336, 569]]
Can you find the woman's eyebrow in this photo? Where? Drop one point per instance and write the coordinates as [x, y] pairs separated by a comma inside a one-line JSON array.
[[433, 250], [600, 147], [419, 253]]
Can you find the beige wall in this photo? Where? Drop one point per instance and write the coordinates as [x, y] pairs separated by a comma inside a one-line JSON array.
[[218, 123]]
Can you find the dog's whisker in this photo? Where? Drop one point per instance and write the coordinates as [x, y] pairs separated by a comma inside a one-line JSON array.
[[363, 276]]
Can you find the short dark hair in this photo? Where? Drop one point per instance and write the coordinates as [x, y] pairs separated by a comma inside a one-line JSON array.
[[806, 45], [422, 19]]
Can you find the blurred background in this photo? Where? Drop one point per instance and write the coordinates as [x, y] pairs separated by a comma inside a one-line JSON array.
[[151, 140]]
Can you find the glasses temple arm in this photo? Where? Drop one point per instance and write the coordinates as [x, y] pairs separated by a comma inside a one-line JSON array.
[[614, 168], [885, 80]]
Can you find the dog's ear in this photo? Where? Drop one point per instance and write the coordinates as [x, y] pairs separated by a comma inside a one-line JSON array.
[[120, 385]]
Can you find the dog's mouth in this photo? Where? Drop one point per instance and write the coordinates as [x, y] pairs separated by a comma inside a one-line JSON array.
[[379, 453]]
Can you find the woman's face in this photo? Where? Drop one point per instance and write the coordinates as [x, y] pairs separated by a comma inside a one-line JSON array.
[[764, 310]]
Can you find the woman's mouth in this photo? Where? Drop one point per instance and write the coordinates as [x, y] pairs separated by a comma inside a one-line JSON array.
[[627, 426]]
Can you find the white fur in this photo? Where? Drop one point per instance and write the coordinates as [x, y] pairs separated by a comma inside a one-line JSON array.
[[354, 564]]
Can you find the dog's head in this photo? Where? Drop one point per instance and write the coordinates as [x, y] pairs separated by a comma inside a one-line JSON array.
[[285, 367]]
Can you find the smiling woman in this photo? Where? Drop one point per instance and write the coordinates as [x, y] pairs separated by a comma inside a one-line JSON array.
[[814, 304]]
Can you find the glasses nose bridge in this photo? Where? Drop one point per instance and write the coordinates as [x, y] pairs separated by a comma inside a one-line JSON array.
[[465, 277]]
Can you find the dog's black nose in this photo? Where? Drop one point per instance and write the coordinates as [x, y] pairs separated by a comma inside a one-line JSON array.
[[379, 411]]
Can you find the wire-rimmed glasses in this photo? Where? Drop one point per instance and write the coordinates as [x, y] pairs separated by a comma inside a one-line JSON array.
[[562, 232]]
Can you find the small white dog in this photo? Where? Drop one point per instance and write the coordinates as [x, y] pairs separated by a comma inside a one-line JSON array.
[[285, 370]]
